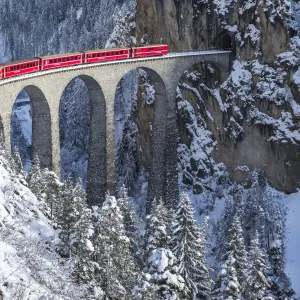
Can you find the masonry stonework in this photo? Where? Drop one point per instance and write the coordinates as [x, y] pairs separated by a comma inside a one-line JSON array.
[[46, 88]]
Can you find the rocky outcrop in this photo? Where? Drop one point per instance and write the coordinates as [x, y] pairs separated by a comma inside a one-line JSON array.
[[250, 119]]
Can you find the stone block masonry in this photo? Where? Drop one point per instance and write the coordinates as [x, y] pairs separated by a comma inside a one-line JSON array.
[[45, 90]]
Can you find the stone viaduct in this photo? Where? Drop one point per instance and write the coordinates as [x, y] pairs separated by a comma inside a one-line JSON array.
[[45, 90]]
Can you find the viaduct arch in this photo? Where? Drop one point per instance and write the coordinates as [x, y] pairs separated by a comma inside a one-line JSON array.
[[46, 89]]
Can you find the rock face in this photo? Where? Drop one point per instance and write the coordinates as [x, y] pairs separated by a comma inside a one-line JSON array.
[[249, 119]]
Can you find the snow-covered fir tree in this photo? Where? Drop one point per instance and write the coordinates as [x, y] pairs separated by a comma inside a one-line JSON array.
[[262, 212], [52, 191], [34, 178], [256, 283], [162, 272], [81, 236], [236, 247], [117, 274], [67, 217], [17, 163], [156, 228], [235, 262], [131, 222], [189, 248], [165, 276], [228, 287]]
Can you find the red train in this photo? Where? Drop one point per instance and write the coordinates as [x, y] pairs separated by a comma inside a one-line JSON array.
[[64, 60]]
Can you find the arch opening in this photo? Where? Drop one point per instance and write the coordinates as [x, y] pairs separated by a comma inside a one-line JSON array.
[[31, 127], [82, 126], [140, 128]]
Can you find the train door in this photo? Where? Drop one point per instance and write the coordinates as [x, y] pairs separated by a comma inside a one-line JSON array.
[[131, 52]]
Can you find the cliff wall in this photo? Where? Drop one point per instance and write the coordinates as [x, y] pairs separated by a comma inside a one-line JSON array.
[[250, 118]]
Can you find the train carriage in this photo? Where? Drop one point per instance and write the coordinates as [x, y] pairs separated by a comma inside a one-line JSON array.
[[20, 67], [94, 56], [63, 60], [149, 50]]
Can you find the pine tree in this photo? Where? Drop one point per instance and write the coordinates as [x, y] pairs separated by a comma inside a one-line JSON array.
[[164, 275], [235, 264], [34, 178], [117, 273], [189, 248], [131, 221], [52, 189], [17, 163], [67, 217], [161, 264], [221, 229], [236, 247], [80, 238], [256, 283], [228, 287], [156, 228]]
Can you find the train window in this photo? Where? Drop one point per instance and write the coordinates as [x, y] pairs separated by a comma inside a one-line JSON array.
[[139, 50], [160, 48]]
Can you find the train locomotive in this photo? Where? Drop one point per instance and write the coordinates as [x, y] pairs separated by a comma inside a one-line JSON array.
[[36, 64]]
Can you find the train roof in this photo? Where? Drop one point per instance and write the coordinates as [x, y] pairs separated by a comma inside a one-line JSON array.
[[19, 62], [61, 55], [147, 46], [108, 49]]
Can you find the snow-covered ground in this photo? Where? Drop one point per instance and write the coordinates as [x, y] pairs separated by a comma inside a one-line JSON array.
[[292, 202], [29, 270]]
